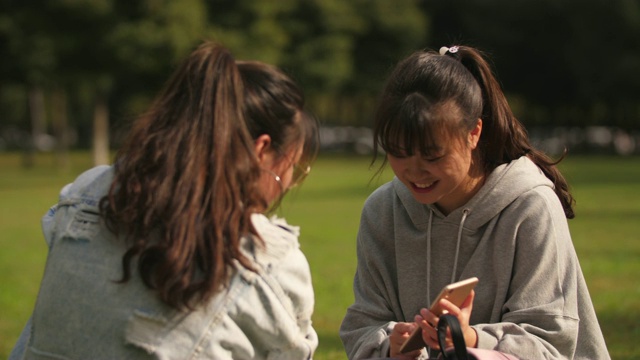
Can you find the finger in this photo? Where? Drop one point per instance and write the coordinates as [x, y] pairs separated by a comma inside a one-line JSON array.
[[429, 317], [467, 306], [401, 331], [468, 302], [450, 307], [403, 327], [430, 337]]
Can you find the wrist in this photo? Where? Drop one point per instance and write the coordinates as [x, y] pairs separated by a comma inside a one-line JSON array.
[[471, 337]]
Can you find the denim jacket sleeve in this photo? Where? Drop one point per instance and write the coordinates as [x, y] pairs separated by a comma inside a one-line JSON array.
[[48, 231]]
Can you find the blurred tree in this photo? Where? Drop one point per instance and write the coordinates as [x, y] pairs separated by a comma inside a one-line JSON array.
[[116, 53], [136, 41], [564, 60], [339, 51], [29, 49], [94, 46], [252, 29], [561, 62], [605, 36], [342, 50]]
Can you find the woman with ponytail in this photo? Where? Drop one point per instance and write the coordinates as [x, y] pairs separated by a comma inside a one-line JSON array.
[[167, 254], [471, 198]]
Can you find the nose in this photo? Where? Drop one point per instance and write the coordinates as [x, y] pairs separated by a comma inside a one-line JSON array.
[[417, 164]]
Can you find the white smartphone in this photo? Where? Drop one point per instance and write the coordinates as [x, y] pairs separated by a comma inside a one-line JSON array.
[[456, 293]]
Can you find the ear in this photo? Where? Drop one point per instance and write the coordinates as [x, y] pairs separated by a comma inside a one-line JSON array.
[[474, 135], [262, 147]]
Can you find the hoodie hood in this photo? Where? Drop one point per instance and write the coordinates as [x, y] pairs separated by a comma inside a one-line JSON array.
[[505, 184]]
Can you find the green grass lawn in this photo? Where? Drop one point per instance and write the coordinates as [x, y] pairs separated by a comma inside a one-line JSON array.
[[327, 207]]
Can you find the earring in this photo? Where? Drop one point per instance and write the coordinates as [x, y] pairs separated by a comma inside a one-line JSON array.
[[278, 180]]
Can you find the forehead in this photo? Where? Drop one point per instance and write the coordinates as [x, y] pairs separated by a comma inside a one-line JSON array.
[[426, 132]]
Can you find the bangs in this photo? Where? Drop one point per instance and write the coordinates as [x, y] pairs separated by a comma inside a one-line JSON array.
[[414, 125]]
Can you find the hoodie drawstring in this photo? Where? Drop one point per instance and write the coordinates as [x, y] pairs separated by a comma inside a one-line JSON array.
[[455, 259], [465, 212], [429, 255]]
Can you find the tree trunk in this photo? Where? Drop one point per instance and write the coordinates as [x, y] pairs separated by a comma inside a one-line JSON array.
[[36, 112], [60, 121], [101, 132]]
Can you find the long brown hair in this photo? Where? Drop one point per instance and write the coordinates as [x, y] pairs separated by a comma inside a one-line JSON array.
[[426, 96], [186, 179]]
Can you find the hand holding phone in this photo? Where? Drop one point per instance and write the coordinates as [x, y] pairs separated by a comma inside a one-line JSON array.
[[456, 293]]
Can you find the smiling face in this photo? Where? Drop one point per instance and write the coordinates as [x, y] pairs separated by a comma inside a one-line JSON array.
[[446, 176]]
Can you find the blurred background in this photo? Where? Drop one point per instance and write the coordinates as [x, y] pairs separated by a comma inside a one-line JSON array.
[[73, 73]]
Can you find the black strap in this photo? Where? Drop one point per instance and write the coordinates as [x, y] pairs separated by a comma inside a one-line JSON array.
[[460, 348]]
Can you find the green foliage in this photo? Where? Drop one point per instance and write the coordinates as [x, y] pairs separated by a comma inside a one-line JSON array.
[[327, 207], [563, 63], [124, 50], [99, 46], [151, 38], [339, 51], [251, 29]]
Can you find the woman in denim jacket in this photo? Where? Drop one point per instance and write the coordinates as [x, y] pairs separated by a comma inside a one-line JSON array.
[[167, 253]]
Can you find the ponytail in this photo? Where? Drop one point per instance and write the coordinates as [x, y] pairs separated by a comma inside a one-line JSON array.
[[175, 198], [504, 138]]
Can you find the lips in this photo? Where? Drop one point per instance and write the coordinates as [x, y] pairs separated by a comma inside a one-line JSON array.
[[423, 187]]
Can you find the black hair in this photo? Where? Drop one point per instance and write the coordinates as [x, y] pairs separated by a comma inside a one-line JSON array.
[[430, 98]]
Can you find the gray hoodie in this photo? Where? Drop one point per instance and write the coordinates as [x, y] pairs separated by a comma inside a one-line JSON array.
[[532, 300]]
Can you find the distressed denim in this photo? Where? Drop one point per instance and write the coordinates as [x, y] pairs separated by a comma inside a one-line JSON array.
[[82, 312]]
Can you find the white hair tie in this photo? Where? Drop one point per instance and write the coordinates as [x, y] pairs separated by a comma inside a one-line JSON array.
[[452, 50]]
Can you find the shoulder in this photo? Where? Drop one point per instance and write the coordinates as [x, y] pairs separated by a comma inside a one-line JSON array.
[[86, 191], [280, 242], [392, 203], [276, 232], [540, 222], [378, 210], [380, 196], [282, 260], [538, 202], [89, 186], [386, 200]]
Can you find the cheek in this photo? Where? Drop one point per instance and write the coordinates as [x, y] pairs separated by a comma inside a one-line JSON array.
[[397, 165], [286, 177], [460, 168], [268, 185]]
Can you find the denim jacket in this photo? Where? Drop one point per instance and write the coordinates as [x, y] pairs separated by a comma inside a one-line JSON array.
[[83, 312]]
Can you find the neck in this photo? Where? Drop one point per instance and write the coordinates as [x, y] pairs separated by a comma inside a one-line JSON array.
[[465, 191]]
